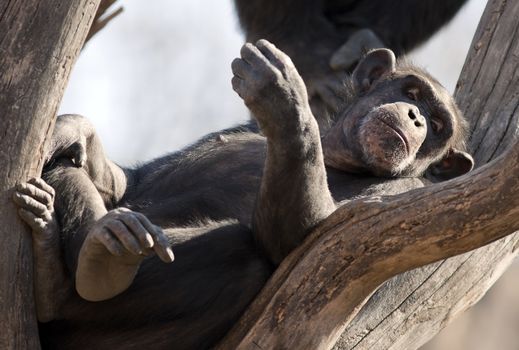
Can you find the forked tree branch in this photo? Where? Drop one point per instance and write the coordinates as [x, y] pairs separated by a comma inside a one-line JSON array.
[[320, 287], [317, 290]]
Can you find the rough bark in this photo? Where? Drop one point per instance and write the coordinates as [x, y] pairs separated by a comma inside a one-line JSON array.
[[318, 290], [39, 41]]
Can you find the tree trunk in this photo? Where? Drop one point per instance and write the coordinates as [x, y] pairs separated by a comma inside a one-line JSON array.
[[315, 294], [39, 42]]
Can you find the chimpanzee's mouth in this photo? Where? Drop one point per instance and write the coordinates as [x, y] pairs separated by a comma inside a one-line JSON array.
[[399, 133]]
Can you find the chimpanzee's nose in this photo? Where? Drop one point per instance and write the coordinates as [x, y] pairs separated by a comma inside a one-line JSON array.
[[414, 114]]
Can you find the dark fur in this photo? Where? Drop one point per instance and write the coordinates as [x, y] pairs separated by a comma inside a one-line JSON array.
[[204, 198], [402, 25], [311, 32], [192, 302]]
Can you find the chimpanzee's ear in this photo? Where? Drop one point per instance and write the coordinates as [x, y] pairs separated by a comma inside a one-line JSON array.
[[455, 163], [375, 64]]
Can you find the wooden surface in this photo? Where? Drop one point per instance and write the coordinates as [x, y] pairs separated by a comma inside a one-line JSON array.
[[413, 307], [314, 295], [39, 42]]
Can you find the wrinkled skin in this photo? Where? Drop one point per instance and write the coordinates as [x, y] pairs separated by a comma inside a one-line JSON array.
[[233, 205]]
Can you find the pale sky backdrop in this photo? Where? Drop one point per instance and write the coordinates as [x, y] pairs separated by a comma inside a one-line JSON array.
[[158, 76]]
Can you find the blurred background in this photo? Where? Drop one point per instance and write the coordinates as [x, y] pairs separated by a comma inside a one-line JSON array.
[[158, 77]]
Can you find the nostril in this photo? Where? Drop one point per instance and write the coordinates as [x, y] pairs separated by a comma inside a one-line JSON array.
[[412, 114], [417, 124]]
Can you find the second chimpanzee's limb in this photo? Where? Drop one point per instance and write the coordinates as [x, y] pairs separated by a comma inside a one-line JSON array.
[[294, 193], [401, 25]]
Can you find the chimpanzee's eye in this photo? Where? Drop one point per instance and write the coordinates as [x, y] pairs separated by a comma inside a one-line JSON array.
[[436, 125], [412, 94]]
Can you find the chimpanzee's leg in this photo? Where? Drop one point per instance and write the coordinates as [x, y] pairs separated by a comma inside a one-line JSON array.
[[294, 193], [103, 248]]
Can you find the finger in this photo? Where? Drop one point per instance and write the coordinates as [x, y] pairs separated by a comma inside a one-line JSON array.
[[136, 228], [237, 85], [253, 56], [119, 230], [161, 243], [162, 247], [29, 203], [276, 57], [42, 185], [110, 242], [240, 68], [36, 193], [34, 222]]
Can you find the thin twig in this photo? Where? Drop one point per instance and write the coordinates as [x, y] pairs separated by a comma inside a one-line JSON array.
[[102, 17]]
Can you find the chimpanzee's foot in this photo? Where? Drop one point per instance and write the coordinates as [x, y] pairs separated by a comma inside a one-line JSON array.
[[269, 84], [35, 200], [113, 251]]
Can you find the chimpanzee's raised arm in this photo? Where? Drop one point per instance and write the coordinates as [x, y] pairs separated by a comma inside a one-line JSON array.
[[294, 193]]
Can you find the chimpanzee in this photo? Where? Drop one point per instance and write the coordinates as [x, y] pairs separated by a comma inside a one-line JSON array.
[[231, 206], [325, 38]]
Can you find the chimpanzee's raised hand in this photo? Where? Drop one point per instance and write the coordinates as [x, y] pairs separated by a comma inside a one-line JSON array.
[[269, 84]]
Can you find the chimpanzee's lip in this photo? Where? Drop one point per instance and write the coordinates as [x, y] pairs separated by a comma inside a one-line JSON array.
[[399, 132]]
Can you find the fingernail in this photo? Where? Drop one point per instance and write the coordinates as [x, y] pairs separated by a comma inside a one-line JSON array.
[[170, 254], [149, 240]]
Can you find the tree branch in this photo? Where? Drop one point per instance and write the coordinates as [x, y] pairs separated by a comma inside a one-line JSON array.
[[39, 42], [102, 18], [367, 241], [320, 287]]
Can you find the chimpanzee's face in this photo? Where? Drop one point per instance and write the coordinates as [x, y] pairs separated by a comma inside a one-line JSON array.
[[401, 123]]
